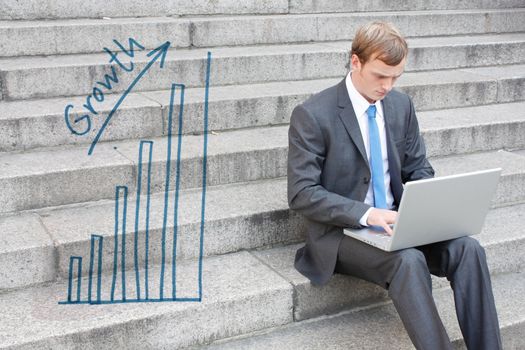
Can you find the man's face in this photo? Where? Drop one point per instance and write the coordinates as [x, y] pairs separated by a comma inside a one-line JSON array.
[[374, 79]]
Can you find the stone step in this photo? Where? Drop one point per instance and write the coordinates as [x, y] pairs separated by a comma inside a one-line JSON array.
[[57, 176], [239, 295], [36, 77], [327, 6], [473, 129], [40, 123], [502, 238], [33, 9], [87, 35], [250, 30], [380, 327], [239, 216]]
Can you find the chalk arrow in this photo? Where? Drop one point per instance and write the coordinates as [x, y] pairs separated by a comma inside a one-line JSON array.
[[156, 54]]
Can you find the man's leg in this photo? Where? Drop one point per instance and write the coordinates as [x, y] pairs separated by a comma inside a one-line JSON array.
[[464, 264], [406, 276]]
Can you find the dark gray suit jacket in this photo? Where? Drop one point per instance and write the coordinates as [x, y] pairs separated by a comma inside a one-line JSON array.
[[328, 171]]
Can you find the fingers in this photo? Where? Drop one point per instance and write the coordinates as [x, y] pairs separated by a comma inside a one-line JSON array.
[[387, 229], [383, 218]]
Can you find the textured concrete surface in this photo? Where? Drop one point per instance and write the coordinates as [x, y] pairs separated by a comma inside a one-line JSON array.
[[35, 77], [381, 328], [236, 156], [235, 301], [40, 123], [473, 129], [510, 188], [342, 292], [448, 89], [467, 87], [63, 176], [250, 30], [502, 237], [243, 216], [311, 6], [37, 123], [27, 254], [34, 9], [414, 23], [83, 36], [510, 81], [48, 178], [241, 106]]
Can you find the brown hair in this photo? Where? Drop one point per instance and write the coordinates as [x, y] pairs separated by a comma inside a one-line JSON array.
[[379, 40]]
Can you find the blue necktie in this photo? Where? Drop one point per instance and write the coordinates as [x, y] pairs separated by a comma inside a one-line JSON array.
[[376, 160]]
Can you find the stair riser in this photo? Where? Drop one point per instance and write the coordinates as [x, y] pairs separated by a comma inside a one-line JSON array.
[[35, 9], [346, 293], [323, 6], [251, 31], [314, 63], [90, 37], [150, 119], [73, 186], [221, 237]]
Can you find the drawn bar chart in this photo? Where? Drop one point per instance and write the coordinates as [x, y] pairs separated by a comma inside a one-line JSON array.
[[121, 289]]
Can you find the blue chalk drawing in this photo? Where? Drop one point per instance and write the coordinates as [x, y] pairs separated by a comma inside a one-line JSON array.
[[91, 267], [166, 201], [97, 93], [159, 52], [137, 206], [121, 198], [123, 230], [72, 260], [155, 55]]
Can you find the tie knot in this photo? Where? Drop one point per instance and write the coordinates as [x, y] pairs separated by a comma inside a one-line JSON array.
[[371, 111]]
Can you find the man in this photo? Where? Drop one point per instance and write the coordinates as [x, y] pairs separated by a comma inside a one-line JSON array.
[[351, 147]]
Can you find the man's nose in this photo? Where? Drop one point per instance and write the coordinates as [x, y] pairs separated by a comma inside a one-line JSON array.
[[388, 84]]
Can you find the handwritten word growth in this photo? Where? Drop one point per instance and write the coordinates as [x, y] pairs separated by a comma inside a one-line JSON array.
[[81, 125]]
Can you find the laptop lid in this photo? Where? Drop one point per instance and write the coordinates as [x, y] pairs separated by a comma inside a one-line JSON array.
[[444, 208]]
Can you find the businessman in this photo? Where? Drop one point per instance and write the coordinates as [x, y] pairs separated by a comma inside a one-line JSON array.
[[351, 147]]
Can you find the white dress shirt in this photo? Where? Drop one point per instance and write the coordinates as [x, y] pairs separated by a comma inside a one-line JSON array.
[[360, 105]]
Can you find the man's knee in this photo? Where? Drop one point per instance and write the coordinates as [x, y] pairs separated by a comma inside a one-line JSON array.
[[410, 260], [466, 246], [410, 269], [466, 259]]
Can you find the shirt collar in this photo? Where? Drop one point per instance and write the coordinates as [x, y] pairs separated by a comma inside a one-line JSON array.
[[360, 103]]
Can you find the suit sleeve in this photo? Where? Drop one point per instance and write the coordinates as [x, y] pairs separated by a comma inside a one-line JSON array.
[[306, 195], [416, 165]]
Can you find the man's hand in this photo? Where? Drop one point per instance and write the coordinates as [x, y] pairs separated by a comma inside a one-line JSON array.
[[383, 218]]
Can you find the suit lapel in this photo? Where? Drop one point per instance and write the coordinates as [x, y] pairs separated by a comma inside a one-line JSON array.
[[349, 119], [394, 165]]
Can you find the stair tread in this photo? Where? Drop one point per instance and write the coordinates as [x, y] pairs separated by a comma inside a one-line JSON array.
[[72, 60], [33, 314], [380, 327]]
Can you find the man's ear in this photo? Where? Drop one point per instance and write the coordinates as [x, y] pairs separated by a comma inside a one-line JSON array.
[[356, 64]]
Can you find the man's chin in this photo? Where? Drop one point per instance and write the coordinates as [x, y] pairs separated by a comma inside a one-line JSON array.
[[380, 96]]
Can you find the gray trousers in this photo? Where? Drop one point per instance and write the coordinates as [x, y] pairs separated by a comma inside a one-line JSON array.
[[406, 276]]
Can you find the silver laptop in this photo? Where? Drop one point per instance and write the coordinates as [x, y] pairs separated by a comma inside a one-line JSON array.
[[437, 209]]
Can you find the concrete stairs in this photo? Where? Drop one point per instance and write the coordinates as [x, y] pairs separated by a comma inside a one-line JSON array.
[[466, 74]]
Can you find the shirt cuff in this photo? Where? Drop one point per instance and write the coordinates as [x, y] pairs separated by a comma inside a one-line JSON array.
[[364, 218]]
